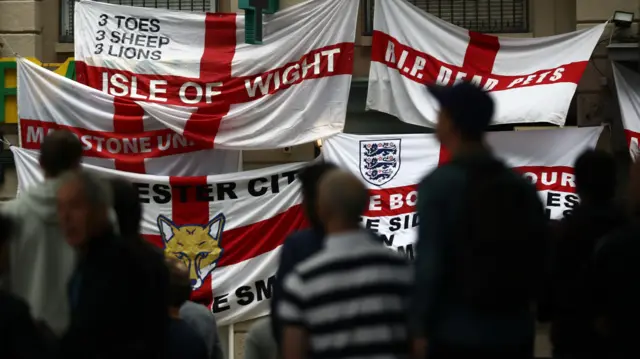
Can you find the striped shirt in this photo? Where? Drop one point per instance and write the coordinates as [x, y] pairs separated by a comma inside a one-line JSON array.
[[351, 298]]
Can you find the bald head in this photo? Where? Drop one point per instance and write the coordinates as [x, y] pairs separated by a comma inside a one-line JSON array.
[[60, 151], [179, 282], [341, 197]]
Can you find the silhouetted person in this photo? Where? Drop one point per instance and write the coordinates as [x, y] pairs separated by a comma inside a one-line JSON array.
[[184, 342], [109, 306], [348, 299], [41, 261], [616, 287], [202, 320], [480, 243], [156, 275], [302, 244], [570, 308], [19, 335]]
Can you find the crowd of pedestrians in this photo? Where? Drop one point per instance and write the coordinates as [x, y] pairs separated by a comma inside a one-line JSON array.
[[79, 281]]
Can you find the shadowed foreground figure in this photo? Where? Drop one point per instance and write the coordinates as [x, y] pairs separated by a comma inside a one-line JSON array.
[[569, 305], [19, 335], [110, 312], [41, 262], [616, 287], [480, 243], [300, 245], [348, 299], [184, 341]]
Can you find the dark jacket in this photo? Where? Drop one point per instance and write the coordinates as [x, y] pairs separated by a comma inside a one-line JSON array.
[[296, 248], [617, 290], [570, 306], [436, 312], [19, 334], [114, 296]]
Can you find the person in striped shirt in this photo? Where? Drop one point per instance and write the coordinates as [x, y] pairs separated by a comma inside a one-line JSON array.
[[349, 299]]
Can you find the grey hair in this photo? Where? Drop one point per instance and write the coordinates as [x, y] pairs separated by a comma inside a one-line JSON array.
[[97, 191]]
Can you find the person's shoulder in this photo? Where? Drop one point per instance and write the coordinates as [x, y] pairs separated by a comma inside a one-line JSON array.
[[260, 332], [302, 236], [305, 238], [190, 308], [186, 340], [445, 176]]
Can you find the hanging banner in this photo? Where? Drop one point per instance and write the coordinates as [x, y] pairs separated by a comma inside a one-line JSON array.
[[227, 228], [392, 166], [9, 83], [290, 90], [628, 89], [48, 101], [412, 48]]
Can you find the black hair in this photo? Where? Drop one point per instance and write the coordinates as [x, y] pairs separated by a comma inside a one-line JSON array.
[[309, 178], [596, 176], [179, 284], [60, 151], [127, 207]]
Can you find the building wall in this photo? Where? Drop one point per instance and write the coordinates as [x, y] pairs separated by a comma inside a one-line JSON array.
[[31, 28]]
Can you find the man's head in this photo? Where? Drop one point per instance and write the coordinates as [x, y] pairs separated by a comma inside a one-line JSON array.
[[342, 198], [127, 207], [6, 230], [83, 206], [61, 151], [179, 283], [309, 178], [465, 113], [596, 179]]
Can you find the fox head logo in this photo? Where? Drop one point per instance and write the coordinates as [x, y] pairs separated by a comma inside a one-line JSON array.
[[195, 245]]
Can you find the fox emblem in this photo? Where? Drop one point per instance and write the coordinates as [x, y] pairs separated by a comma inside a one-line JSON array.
[[195, 245]]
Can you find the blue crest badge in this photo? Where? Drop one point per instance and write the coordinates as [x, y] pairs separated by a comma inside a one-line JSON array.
[[379, 160]]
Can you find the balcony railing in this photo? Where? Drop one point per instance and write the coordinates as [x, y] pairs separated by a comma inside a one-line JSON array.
[[488, 16], [67, 7]]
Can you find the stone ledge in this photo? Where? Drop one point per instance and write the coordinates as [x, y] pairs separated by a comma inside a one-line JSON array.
[[27, 45], [19, 16], [65, 47]]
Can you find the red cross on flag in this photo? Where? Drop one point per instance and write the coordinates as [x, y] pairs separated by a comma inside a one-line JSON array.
[[48, 101], [195, 74], [531, 79], [628, 89]]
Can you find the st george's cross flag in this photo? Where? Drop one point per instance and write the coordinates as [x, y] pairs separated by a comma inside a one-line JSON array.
[[48, 101], [628, 91], [392, 166], [194, 72], [227, 229], [531, 79]]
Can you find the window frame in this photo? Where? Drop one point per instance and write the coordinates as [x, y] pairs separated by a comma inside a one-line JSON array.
[[64, 19], [368, 13]]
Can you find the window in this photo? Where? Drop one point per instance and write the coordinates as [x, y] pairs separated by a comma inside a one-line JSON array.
[[489, 16], [67, 7]]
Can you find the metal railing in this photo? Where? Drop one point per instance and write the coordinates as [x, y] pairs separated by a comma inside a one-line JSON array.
[[67, 8], [488, 16]]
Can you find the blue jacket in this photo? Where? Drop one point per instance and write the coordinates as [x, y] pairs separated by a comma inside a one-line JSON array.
[[296, 248]]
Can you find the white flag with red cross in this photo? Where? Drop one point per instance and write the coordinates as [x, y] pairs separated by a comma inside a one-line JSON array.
[[199, 78], [392, 167], [531, 79], [628, 89], [48, 101], [227, 229]]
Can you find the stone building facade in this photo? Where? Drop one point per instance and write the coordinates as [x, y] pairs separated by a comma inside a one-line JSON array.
[[43, 29]]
